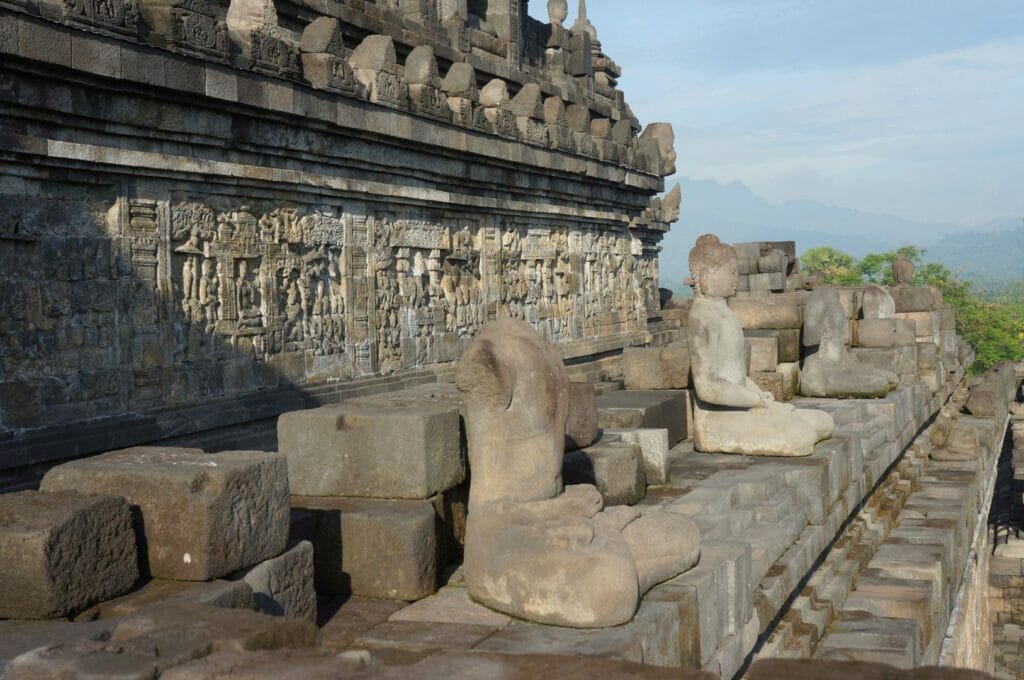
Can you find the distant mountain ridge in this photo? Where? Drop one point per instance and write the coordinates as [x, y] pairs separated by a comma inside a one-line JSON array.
[[736, 214], [988, 258]]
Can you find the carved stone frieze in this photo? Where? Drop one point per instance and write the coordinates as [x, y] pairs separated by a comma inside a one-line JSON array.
[[119, 16], [273, 55], [196, 28]]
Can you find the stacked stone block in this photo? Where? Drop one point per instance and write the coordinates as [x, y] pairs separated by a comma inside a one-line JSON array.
[[207, 533], [901, 609], [373, 483], [772, 327], [199, 517], [765, 267]]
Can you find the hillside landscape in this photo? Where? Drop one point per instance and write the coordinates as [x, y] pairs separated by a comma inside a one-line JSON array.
[[989, 254]]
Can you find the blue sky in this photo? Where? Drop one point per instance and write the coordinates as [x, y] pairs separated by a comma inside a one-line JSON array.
[[908, 107]]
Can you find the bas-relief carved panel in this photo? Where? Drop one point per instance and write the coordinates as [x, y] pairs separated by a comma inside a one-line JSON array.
[[388, 290], [215, 296]]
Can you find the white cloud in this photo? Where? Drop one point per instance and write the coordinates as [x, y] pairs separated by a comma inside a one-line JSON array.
[[939, 137]]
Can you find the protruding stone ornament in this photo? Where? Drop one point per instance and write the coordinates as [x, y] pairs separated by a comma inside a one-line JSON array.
[[558, 10]]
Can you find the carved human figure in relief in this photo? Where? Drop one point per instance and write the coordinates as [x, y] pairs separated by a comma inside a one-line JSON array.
[[534, 549], [245, 292], [731, 413], [208, 294], [829, 370]]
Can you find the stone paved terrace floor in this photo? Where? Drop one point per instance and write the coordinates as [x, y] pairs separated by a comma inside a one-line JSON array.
[[767, 579]]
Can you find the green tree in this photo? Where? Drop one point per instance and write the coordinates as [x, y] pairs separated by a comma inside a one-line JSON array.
[[877, 267], [991, 320], [833, 265], [994, 328]]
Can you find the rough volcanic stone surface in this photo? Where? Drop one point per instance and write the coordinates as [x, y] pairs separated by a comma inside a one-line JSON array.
[[885, 332], [615, 468], [657, 368], [152, 641], [654, 450], [406, 450], [62, 552], [581, 423], [373, 548], [197, 516], [787, 669], [283, 585], [534, 549]]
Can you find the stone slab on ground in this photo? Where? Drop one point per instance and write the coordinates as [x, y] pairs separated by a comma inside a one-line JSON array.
[[451, 605], [380, 665], [18, 637], [227, 594], [806, 669], [477, 664], [199, 516], [614, 467], [372, 547], [283, 664], [344, 618], [62, 552], [653, 638], [424, 637], [153, 640], [409, 449], [284, 585]]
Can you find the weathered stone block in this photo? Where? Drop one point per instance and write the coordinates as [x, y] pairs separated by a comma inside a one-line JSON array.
[[764, 354], [772, 382], [760, 282], [615, 468], [227, 594], [654, 448], [581, 425], [788, 340], [901, 359], [407, 450], [631, 409], [198, 516], [885, 332], [283, 585], [62, 552], [926, 324], [374, 548], [657, 368], [790, 373], [915, 298], [771, 312]]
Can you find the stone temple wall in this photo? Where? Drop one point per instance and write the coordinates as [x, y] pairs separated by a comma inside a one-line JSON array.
[[202, 204]]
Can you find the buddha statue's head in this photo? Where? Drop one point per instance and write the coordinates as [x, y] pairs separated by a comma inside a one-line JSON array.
[[713, 268]]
